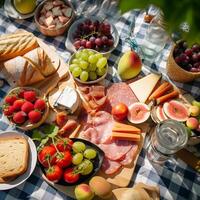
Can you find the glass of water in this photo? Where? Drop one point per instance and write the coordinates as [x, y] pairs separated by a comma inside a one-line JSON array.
[[154, 40], [168, 137]]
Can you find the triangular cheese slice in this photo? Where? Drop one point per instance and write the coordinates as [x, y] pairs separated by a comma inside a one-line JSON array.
[[143, 87]]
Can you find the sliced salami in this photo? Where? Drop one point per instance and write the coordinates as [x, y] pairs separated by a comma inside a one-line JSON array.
[[110, 167], [130, 156]]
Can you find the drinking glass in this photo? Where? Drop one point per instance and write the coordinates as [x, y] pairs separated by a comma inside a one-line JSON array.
[[168, 137], [154, 40]]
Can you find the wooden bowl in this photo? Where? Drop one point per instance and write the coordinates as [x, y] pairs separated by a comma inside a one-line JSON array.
[[176, 73], [88, 82], [52, 32], [27, 125]]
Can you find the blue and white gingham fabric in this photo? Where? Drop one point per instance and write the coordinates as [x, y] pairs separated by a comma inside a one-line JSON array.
[[176, 181]]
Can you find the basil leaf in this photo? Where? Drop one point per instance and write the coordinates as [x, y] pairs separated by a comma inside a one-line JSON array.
[[36, 135]]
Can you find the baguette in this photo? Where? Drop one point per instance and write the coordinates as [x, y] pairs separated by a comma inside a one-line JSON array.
[[16, 44], [21, 72], [14, 154]]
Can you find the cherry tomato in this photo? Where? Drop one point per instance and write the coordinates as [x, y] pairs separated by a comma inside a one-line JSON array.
[[70, 176], [120, 111], [47, 154], [64, 144], [64, 159], [54, 173]]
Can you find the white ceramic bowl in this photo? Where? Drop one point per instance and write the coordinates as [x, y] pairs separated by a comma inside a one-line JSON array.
[[88, 82], [31, 161], [69, 42]]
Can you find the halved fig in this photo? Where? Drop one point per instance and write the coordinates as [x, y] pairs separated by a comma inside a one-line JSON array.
[[176, 110], [160, 113], [138, 113]]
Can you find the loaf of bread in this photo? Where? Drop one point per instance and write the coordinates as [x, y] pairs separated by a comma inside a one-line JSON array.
[[39, 59], [14, 154], [16, 44], [20, 71]]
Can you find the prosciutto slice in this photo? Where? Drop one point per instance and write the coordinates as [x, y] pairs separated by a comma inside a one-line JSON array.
[[110, 167]]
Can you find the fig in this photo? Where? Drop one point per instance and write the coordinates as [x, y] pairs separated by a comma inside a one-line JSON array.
[[138, 113], [160, 113], [176, 110]]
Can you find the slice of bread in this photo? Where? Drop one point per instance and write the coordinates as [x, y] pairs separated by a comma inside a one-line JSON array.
[[14, 153]]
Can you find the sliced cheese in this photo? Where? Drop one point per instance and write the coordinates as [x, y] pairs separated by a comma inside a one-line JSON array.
[[143, 87], [126, 136], [120, 127]]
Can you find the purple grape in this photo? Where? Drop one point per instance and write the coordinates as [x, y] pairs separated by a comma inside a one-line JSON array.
[[105, 40], [83, 42], [188, 52], [198, 56], [77, 44], [92, 27], [88, 45], [177, 59], [98, 42], [195, 57], [110, 42], [88, 21], [195, 47], [183, 57], [196, 65]]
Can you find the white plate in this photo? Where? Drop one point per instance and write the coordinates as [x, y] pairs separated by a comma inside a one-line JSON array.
[[31, 162], [11, 11]]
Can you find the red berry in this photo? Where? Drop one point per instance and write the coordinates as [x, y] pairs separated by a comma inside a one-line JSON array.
[[8, 111], [27, 107], [34, 116], [18, 104], [19, 117], [40, 104], [10, 99], [21, 94], [30, 96]]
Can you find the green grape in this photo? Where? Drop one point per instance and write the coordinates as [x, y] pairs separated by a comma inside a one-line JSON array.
[[85, 51], [90, 153], [84, 56], [77, 158], [101, 63], [92, 59], [76, 72], [78, 147], [75, 61], [91, 53], [98, 55], [92, 76], [72, 67], [83, 64], [78, 54], [101, 72], [84, 76], [92, 67], [86, 167]]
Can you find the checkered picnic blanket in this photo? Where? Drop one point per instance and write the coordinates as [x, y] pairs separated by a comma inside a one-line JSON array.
[[176, 180]]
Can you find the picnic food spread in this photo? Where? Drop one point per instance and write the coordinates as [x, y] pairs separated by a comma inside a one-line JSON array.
[[88, 134]]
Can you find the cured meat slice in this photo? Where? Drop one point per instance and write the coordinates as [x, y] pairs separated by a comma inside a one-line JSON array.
[[117, 149], [110, 167], [120, 93], [91, 135], [129, 156], [97, 91]]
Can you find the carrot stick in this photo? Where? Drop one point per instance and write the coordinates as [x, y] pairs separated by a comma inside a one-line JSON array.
[[166, 97], [125, 136], [161, 90]]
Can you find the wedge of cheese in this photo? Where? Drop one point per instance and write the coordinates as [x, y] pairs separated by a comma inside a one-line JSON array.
[[143, 87]]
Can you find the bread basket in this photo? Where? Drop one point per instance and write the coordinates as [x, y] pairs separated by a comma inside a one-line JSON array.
[[176, 73], [53, 32], [27, 125]]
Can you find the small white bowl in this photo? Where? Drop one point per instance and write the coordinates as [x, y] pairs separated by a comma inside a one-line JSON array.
[[31, 161], [69, 41], [88, 82]]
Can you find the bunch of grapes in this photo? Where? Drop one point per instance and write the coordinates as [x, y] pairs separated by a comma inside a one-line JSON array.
[[88, 65], [187, 58], [93, 35]]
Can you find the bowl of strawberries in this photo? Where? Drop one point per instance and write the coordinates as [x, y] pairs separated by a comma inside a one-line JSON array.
[[25, 107]]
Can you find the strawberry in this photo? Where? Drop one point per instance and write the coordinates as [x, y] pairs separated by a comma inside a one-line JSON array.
[[10, 99], [34, 116], [18, 104], [27, 107], [30, 96], [19, 117], [8, 111], [40, 104], [21, 94]]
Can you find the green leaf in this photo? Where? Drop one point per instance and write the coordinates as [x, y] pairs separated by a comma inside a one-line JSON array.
[[44, 141], [49, 129], [36, 135], [54, 132]]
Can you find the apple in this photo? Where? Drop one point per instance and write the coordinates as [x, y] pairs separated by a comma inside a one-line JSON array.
[[24, 6], [129, 65], [192, 123], [194, 111]]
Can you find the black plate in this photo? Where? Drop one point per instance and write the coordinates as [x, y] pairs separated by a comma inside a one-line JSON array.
[[97, 162]]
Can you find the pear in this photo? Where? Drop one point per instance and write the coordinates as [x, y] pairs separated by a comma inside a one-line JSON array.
[[129, 65], [24, 6]]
